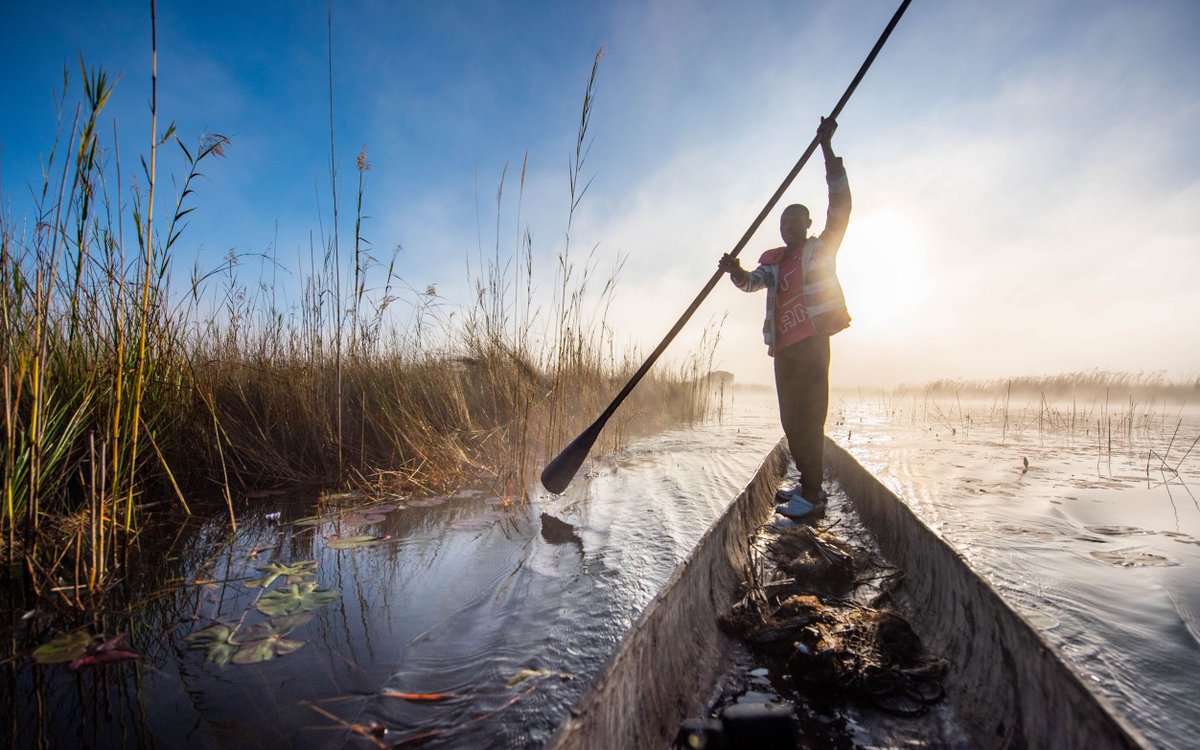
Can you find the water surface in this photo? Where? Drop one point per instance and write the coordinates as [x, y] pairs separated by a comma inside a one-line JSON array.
[[1083, 515], [472, 624]]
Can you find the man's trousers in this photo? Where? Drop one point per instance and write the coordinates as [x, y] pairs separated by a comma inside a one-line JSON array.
[[802, 384]]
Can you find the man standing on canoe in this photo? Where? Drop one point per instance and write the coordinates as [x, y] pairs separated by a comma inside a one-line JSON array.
[[805, 307]]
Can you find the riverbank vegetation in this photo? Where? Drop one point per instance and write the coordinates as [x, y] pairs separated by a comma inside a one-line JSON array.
[[123, 389], [1141, 386]]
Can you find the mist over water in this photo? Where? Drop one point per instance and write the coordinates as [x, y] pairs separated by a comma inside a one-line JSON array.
[[1096, 540]]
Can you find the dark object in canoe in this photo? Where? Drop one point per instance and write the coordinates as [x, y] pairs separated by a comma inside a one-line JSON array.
[[1008, 686]]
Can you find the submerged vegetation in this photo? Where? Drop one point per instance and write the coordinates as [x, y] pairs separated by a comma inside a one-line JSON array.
[[121, 392]]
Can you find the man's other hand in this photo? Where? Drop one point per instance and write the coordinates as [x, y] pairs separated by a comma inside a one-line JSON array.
[[826, 129], [732, 266]]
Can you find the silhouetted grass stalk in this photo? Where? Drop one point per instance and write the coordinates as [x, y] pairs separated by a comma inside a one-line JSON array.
[[115, 394]]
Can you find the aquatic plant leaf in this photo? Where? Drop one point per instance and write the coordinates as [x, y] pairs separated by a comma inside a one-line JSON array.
[[253, 653], [110, 651], [278, 625], [295, 572], [65, 647], [285, 624], [215, 640], [297, 597], [310, 521], [348, 542], [265, 649], [525, 674]]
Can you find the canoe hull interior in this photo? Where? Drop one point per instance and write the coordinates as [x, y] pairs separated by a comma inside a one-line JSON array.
[[1009, 688]]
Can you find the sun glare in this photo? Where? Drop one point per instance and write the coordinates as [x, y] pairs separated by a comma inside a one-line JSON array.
[[881, 266]]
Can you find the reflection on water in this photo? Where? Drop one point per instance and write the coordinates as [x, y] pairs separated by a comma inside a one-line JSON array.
[[1089, 526], [456, 621], [462, 623]]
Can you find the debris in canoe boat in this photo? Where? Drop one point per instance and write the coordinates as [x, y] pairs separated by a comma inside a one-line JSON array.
[[815, 612]]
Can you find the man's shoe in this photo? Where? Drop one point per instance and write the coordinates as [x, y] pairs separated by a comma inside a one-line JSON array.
[[798, 507], [786, 496]]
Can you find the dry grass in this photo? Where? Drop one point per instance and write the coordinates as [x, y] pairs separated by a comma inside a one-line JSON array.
[[118, 391]]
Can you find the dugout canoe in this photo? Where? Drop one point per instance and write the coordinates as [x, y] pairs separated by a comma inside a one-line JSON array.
[[1007, 684]]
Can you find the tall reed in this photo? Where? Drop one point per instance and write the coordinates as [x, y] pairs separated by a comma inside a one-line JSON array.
[[118, 392]]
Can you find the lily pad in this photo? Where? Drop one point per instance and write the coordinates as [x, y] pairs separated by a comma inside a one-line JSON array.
[[310, 521], [356, 540], [297, 597], [249, 644], [295, 572], [278, 625], [267, 648], [215, 640], [63, 648]]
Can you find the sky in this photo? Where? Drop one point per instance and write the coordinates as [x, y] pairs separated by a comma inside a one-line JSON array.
[[1026, 175]]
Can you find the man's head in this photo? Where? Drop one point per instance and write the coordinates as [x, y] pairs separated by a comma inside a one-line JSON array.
[[794, 224]]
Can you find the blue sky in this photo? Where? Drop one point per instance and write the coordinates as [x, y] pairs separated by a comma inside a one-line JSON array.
[[1026, 174]]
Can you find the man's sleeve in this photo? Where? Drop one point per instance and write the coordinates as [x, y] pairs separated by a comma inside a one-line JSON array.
[[839, 203], [755, 280]]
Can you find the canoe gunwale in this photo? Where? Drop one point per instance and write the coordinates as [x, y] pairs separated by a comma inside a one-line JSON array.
[[1041, 700], [666, 665], [628, 703]]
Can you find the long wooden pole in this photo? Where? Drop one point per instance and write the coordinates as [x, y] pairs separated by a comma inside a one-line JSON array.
[[560, 471]]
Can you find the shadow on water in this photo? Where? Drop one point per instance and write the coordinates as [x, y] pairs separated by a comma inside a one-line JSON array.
[[555, 531]]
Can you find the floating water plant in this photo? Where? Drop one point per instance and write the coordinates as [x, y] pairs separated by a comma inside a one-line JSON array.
[[521, 675], [107, 651], [249, 644], [64, 648], [297, 597], [357, 540], [295, 572], [215, 641], [82, 649], [265, 649]]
